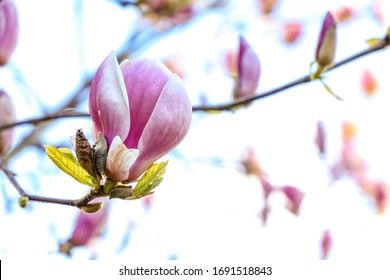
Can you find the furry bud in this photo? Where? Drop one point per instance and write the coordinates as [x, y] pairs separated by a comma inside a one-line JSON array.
[[99, 155], [84, 153]]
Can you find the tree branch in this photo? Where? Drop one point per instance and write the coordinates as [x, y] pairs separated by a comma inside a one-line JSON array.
[[79, 203], [242, 101], [61, 113]]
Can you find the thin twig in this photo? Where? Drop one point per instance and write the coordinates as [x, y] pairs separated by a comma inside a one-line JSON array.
[[48, 117], [70, 202]]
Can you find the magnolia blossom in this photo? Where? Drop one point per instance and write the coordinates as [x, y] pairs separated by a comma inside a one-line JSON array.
[[9, 29], [7, 115], [143, 111], [248, 70], [326, 46]]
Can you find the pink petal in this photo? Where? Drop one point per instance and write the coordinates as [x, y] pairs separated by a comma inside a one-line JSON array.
[[294, 196], [326, 244], [145, 80], [119, 160], [320, 138], [166, 128], [7, 116], [108, 103], [248, 70], [89, 225], [9, 30]]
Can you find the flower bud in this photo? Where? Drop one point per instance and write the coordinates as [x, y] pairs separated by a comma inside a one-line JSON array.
[[84, 153], [327, 42], [7, 116], [99, 155], [9, 29], [121, 192], [248, 71]]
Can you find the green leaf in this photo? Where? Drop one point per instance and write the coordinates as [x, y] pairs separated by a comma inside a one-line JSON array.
[[67, 162], [109, 186], [150, 180], [328, 89], [68, 153]]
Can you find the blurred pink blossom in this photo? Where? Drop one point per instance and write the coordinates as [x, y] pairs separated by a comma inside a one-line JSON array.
[[326, 244], [9, 30], [251, 163], [294, 197], [7, 116], [267, 6], [381, 197], [343, 13], [368, 83], [87, 227], [292, 31], [248, 70], [320, 137]]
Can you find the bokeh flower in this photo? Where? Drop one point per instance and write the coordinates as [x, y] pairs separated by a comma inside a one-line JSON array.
[[87, 227], [292, 31], [9, 30], [7, 116], [368, 83], [248, 70]]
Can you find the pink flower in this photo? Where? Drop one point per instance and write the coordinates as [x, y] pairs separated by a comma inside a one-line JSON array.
[[87, 227], [9, 29], [343, 13], [7, 116], [326, 244], [381, 196], [291, 31], [294, 197], [251, 163], [368, 83], [143, 111], [320, 138], [248, 70], [326, 46], [267, 6]]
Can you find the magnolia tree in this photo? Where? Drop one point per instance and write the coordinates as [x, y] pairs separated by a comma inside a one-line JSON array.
[[119, 133]]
